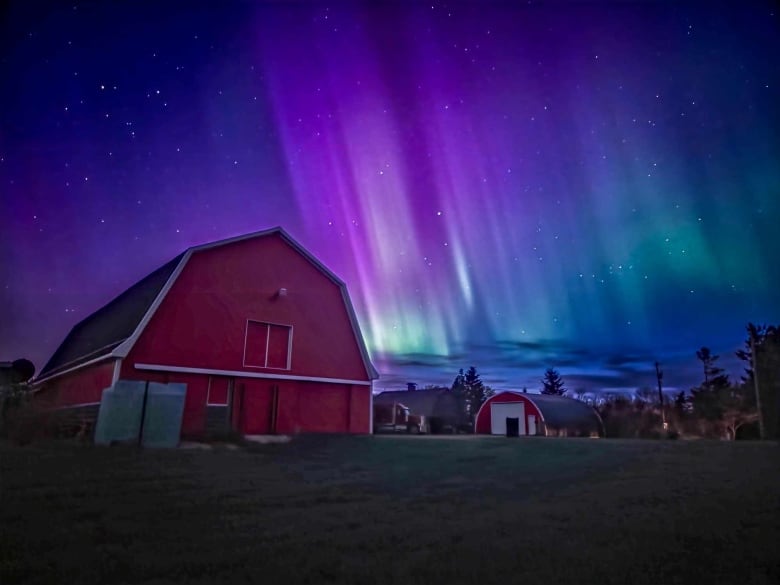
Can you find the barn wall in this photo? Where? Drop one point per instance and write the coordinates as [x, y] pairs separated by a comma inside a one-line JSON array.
[[304, 407], [255, 411], [323, 408], [482, 425], [360, 409], [202, 322], [83, 386], [194, 416], [128, 372], [193, 421]]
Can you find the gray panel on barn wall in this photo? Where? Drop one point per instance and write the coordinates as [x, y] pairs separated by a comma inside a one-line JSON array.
[[217, 419], [164, 411], [119, 417]]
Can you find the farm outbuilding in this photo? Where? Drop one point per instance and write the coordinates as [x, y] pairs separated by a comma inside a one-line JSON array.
[[263, 335], [439, 407], [537, 414]]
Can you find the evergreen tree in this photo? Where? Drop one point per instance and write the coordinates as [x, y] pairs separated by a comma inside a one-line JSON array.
[[475, 392], [713, 375], [720, 405], [764, 341], [470, 392], [681, 404], [552, 383], [459, 391]]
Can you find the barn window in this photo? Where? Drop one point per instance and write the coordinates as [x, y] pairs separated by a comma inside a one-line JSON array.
[[267, 345], [218, 391]]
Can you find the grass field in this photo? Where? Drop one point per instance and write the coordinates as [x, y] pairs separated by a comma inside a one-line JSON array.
[[370, 510]]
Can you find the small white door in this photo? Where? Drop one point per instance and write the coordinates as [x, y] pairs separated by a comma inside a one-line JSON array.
[[531, 424], [500, 411]]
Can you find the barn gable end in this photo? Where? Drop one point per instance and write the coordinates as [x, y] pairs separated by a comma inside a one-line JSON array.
[[231, 302], [263, 335]]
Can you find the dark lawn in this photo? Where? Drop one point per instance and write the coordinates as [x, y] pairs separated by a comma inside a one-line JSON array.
[[393, 510]]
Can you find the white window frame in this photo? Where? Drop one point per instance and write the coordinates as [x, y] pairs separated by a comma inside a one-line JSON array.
[[267, 344]]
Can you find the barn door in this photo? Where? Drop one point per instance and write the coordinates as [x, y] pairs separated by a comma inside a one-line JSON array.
[[218, 405], [274, 411], [236, 393], [501, 411]]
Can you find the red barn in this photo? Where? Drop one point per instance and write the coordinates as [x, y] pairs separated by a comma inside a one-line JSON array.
[[537, 414], [262, 333]]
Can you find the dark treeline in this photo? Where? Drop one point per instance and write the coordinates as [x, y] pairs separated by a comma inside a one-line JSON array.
[[718, 407]]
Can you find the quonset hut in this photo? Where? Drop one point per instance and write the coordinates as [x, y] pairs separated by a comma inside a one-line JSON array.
[[537, 414]]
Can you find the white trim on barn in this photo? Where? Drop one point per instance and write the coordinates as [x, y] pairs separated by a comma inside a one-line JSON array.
[[536, 406], [208, 394], [124, 348], [117, 370], [506, 410], [525, 395], [242, 374], [268, 343], [37, 383]]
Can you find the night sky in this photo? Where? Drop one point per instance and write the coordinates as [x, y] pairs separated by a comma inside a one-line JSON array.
[[585, 186]]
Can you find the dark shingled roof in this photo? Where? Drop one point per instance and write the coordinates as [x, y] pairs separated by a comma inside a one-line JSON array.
[[106, 328], [560, 412], [431, 403]]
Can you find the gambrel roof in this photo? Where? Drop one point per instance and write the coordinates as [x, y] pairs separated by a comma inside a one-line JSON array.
[[111, 331]]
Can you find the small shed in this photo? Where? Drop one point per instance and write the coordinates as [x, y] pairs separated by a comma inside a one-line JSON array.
[[439, 406], [537, 414]]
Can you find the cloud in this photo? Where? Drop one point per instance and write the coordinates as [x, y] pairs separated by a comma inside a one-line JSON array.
[[514, 364]]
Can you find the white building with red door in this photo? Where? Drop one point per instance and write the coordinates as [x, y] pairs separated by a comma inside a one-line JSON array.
[[537, 414]]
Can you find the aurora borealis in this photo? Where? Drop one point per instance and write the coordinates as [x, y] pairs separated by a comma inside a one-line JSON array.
[[585, 186]]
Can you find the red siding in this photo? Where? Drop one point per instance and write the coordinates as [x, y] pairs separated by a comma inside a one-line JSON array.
[[278, 345], [303, 407], [482, 425], [256, 396], [202, 322], [128, 372], [256, 348], [194, 418], [360, 409], [218, 390], [323, 408], [83, 386]]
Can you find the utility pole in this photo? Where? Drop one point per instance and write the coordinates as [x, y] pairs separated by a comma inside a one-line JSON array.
[[660, 376], [754, 364]]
